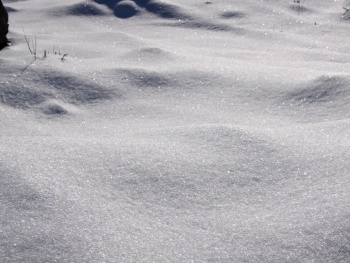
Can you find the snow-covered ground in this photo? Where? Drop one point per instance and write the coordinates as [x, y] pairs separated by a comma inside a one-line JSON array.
[[175, 131]]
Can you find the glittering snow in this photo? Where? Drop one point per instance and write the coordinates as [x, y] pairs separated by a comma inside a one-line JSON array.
[[175, 131]]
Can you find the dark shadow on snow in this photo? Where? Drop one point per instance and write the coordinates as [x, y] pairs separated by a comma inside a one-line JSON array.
[[130, 8]]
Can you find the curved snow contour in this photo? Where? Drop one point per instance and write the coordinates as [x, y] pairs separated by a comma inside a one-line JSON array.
[[81, 9], [29, 91], [326, 96], [25, 235], [129, 8], [148, 80], [224, 177], [166, 10]]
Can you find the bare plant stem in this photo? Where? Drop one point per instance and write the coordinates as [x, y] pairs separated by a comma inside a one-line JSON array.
[[32, 45], [63, 58]]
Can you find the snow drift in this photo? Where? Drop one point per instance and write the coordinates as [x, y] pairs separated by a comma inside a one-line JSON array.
[[175, 131]]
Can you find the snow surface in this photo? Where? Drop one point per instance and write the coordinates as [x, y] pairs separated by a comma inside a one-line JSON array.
[[175, 131]]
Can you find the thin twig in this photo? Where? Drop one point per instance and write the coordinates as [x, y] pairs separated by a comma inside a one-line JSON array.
[[28, 45], [35, 45], [63, 58], [32, 45]]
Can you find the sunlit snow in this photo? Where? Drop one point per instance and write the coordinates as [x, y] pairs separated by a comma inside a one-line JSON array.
[[175, 131]]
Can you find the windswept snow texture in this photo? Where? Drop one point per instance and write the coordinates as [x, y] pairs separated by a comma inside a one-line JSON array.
[[175, 131]]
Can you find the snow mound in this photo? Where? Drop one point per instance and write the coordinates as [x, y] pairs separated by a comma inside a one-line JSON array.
[[18, 197], [74, 89], [145, 78], [21, 96], [324, 89], [16, 193], [219, 176], [179, 15], [158, 81], [35, 87], [222, 137], [327, 96], [165, 10], [80, 9]]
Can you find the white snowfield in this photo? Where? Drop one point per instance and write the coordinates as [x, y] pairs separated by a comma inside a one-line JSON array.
[[175, 131]]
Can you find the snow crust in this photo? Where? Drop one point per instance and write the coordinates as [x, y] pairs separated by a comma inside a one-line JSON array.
[[175, 131]]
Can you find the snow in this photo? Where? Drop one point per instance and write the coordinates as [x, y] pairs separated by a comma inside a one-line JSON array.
[[186, 131]]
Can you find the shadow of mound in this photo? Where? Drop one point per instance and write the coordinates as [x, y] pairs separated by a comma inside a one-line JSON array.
[[20, 97], [53, 108], [26, 93], [75, 90], [204, 25], [30, 240], [146, 79], [155, 81], [152, 51], [326, 97], [232, 14], [125, 9], [13, 1], [14, 192], [322, 90], [166, 11], [149, 55], [141, 3], [130, 8]]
